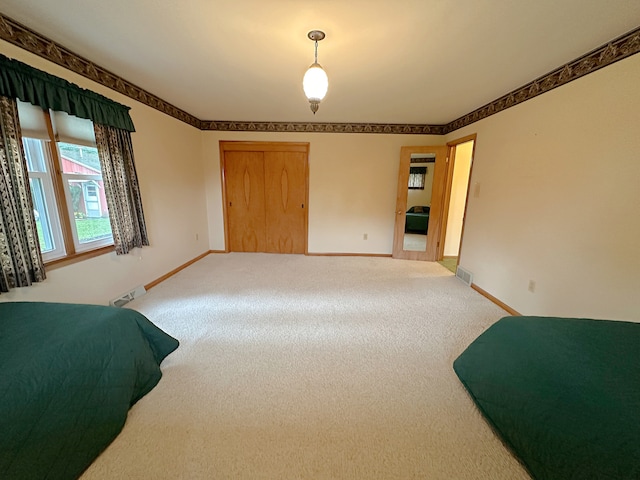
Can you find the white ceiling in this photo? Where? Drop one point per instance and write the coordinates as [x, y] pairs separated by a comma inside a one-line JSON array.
[[403, 61]]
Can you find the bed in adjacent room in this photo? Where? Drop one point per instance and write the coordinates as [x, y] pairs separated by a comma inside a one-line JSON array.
[[563, 394], [68, 376]]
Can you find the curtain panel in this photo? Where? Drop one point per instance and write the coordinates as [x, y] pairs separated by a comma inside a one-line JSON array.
[[19, 80], [20, 257], [121, 188]]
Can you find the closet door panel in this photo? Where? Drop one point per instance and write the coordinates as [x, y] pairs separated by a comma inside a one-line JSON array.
[[285, 198], [244, 177]]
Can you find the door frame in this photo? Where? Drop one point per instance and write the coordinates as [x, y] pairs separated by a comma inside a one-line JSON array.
[[256, 146]]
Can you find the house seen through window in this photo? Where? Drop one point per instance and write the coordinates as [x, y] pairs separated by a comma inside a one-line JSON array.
[[65, 176]]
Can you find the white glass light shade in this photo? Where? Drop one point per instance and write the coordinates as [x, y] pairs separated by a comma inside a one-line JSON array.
[[315, 83]]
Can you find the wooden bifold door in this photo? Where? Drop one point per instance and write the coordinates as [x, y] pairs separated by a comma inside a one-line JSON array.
[[265, 193]]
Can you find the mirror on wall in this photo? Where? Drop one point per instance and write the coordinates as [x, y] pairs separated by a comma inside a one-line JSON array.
[[419, 190]]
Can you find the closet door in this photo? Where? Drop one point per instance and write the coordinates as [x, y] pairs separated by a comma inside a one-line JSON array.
[[244, 176], [285, 200]]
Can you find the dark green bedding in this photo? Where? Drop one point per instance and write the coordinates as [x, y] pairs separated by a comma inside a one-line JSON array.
[[68, 376], [564, 394], [417, 222]]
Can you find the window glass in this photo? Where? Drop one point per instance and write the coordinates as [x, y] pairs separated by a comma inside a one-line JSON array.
[[34, 151], [44, 204], [79, 159], [78, 211], [43, 224], [82, 174]]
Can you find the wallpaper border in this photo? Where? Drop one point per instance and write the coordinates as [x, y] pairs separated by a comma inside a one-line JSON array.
[[617, 49], [233, 126], [27, 39]]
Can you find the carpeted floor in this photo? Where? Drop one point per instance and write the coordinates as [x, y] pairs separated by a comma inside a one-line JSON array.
[[295, 367], [415, 242]]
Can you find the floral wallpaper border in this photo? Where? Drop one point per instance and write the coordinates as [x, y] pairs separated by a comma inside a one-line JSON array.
[[23, 37], [324, 127], [618, 49]]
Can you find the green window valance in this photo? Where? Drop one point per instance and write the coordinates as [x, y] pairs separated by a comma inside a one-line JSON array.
[[21, 81]]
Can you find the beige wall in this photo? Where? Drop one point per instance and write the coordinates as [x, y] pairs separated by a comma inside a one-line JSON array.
[[352, 187], [547, 210], [459, 184], [169, 164], [559, 199]]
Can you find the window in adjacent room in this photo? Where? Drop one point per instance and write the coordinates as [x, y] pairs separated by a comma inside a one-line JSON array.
[[417, 176], [66, 182]]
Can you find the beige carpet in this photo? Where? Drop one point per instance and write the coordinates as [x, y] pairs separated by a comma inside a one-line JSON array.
[[294, 367], [414, 242]]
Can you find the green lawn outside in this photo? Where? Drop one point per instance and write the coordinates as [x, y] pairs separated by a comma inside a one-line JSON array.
[[92, 229], [43, 247], [88, 229]]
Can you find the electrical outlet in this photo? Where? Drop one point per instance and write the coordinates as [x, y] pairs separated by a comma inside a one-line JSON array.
[[365, 236], [532, 286]]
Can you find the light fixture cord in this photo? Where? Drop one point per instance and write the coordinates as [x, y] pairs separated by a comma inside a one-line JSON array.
[[316, 61]]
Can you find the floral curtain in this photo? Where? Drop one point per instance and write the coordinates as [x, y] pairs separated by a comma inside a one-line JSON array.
[[121, 188], [20, 257]]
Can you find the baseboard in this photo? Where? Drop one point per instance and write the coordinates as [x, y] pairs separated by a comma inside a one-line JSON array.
[[176, 270], [502, 305], [329, 254]]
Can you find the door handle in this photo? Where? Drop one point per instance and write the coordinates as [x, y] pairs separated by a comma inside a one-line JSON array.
[[399, 212]]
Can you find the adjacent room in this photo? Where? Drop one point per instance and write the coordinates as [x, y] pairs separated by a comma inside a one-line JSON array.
[[330, 240]]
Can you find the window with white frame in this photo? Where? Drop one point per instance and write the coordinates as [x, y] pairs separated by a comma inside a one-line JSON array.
[[66, 182]]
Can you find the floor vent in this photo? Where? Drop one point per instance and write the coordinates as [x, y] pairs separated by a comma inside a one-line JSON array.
[[127, 297], [465, 275]]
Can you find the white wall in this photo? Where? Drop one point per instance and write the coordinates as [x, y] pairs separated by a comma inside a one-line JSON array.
[[168, 157], [352, 187], [559, 199]]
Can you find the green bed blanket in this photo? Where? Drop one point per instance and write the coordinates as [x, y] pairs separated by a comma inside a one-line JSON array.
[[563, 394], [68, 376]]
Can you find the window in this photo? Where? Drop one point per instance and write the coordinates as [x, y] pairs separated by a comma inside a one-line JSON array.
[[65, 176], [416, 177]]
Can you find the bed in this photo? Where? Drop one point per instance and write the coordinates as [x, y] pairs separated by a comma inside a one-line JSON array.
[[68, 376], [417, 219], [562, 393]]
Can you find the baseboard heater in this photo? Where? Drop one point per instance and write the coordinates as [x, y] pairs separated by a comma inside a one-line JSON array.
[[127, 297], [465, 275]]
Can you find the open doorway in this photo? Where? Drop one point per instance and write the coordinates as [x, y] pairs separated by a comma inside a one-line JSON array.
[[456, 194]]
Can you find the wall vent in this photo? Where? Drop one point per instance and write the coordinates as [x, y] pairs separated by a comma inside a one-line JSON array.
[[127, 297], [465, 275]]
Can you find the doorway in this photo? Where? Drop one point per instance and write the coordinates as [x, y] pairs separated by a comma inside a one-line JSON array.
[[444, 209], [456, 195]]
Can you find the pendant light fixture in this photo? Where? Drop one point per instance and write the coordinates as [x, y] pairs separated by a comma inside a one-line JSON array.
[[315, 81]]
